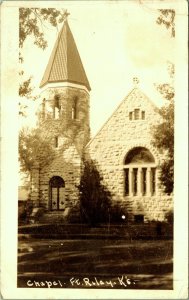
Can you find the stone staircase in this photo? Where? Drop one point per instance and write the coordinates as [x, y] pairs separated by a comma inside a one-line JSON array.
[[61, 217], [51, 217]]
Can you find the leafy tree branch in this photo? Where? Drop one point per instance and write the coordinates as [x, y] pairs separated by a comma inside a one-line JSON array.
[[95, 199], [163, 133], [167, 18], [31, 23], [34, 146]]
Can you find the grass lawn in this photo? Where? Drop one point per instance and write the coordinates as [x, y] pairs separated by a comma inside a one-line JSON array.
[[95, 263]]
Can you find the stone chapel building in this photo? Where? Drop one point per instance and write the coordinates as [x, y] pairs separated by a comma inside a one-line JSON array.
[[122, 148]]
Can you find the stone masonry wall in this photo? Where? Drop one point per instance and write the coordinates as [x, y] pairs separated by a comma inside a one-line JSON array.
[[72, 133], [60, 122], [66, 165], [111, 144]]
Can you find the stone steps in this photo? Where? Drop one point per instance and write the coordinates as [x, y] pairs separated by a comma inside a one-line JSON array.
[[51, 217]]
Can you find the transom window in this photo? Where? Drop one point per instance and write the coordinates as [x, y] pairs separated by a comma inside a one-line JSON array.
[[140, 173], [139, 155]]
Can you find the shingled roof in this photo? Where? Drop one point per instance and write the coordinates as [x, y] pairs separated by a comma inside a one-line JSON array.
[[65, 64]]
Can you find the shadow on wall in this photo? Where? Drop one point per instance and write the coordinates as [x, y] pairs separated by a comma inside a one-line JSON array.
[[95, 205]]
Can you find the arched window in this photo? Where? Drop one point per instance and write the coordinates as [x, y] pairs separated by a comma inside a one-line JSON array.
[[140, 173], [56, 142], [57, 194], [74, 108], [56, 109], [43, 108]]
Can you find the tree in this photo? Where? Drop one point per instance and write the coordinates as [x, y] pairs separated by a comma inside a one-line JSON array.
[[32, 22], [34, 147], [167, 18], [94, 196], [163, 133]]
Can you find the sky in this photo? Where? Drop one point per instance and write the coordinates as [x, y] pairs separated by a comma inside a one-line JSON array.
[[117, 41]]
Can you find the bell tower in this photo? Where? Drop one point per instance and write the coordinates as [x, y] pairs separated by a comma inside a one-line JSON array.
[[64, 119], [65, 91]]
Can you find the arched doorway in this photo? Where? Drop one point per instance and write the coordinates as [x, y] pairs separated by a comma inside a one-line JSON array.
[[57, 196]]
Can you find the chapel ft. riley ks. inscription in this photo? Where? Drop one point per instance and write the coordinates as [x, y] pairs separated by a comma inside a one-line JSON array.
[[94, 282]]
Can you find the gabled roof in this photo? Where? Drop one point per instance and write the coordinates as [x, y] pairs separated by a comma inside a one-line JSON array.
[[135, 93], [65, 64]]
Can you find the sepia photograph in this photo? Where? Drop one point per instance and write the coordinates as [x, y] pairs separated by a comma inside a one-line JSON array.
[[96, 161]]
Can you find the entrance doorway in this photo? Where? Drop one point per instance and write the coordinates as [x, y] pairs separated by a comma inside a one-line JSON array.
[[57, 193]]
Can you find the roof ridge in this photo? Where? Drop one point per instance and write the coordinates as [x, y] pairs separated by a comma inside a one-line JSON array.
[[79, 60], [58, 41]]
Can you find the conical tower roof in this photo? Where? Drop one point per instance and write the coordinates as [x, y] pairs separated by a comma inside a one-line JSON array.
[[65, 64]]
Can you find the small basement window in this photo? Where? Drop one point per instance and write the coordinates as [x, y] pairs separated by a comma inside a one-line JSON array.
[[139, 219]]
